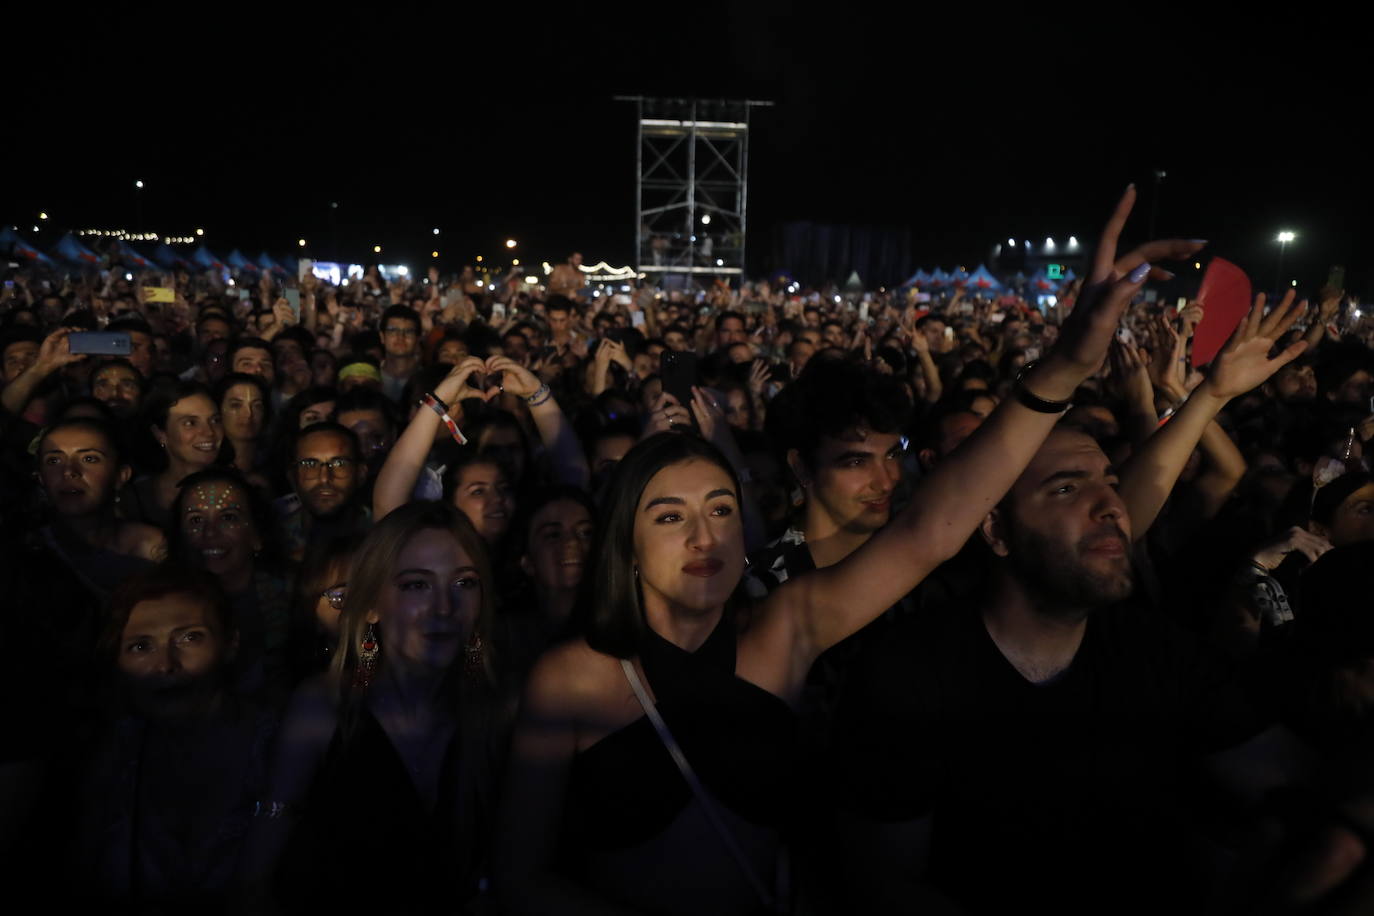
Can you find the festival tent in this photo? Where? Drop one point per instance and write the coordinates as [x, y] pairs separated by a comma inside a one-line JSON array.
[[13, 245], [1069, 275], [958, 278], [167, 259], [203, 258], [939, 279], [853, 284], [266, 263], [131, 258], [1041, 283], [236, 260], [69, 249], [919, 279], [983, 281]]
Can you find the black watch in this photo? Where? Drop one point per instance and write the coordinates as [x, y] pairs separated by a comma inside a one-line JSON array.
[[1027, 398]]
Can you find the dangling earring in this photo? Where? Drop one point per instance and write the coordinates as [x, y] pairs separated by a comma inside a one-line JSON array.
[[368, 650], [636, 573], [472, 657]]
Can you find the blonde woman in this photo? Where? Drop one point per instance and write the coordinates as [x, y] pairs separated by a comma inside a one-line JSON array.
[[379, 790]]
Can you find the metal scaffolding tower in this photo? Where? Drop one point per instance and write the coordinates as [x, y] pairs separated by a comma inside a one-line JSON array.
[[691, 196]]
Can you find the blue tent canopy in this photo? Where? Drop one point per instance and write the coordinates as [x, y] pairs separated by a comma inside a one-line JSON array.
[[265, 262], [919, 279], [236, 260], [982, 280], [14, 246], [203, 258], [69, 249], [958, 276], [939, 279], [167, 259], [131, 257]]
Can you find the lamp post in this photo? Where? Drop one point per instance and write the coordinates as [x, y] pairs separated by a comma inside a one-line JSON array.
[[1283, 238]]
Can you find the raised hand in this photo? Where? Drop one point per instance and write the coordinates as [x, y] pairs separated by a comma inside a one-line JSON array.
[[1244, 363], [1113, 282], [56, 352], [758, 377], [455, 387], [515, 378], [666, 415], [1294, 540]]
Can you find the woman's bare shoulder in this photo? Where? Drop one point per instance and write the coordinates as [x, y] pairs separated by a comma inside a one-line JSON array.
[[572, 675]]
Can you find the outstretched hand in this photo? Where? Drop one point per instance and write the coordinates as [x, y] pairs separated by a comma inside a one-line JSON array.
[[1244, 363], [455, 387], [1087, 332]]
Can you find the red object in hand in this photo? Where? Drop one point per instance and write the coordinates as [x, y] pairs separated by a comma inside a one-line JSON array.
[[1225, 298]]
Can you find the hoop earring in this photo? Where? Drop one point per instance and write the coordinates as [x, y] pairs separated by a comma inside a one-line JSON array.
[[473, 659], [368, 651]]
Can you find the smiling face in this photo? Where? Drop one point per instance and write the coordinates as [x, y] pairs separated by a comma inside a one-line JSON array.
[[79, 471], [485, 497], [194, 431], [689, 538], [429, 607], [851, 482], [1064, 529], [560, 541], [218, 528]]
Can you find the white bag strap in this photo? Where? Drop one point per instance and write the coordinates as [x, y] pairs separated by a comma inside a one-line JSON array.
[[707, 803]]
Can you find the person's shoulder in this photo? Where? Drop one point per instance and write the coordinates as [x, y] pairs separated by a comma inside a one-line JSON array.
[[572, 676]]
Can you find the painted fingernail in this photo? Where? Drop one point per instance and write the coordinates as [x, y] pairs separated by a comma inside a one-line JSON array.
[[1139, 273], [1131, 186], [1197, 241], [1168, 274]]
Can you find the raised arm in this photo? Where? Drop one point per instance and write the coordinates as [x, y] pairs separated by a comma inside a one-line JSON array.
[[569, 462], [396, 481], [948, 505], [1149, 476], [54, 353]]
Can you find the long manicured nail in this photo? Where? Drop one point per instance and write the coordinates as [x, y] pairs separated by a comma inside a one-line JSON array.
[[1131, 186], [1197, 241], [1139, 273], [1168, 274]]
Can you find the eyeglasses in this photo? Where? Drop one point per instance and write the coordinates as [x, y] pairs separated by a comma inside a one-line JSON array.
[[403, 332], [313, 466], [335, 595]]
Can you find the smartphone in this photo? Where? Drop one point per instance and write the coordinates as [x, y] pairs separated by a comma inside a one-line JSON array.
[[293, 296], [245, 294], [159, 294], [498, 312], [680, 372], [101, 343], [637, 319], [863, 310]]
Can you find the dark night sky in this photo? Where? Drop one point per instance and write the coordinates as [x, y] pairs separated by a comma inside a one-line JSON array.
[[497, 124]]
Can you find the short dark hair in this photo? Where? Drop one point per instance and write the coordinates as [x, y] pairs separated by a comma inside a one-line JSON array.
[[159, 582], [726, 315], [616, 624], [830, 397], [250, 343], [123, 364], [403, 312], [161, 401], [329, 426]]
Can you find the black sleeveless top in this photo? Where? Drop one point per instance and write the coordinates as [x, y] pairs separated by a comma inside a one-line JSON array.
[[367, 842], [739, 738]]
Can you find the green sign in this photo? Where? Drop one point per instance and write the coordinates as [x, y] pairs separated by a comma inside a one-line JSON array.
[[1054, 271]]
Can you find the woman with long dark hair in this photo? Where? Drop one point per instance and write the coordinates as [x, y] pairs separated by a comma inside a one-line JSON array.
[[652, 765]]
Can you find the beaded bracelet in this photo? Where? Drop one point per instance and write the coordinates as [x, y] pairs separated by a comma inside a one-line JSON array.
[[433, 403], [540, 395]]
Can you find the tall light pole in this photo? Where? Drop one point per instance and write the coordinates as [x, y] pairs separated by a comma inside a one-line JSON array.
[[1283, 238]]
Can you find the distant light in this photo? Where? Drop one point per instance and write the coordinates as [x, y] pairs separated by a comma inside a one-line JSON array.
[[719, 262], [231, 282], [694, 238], [200, 232], [139, 183], [1358, 313], [300, 242], [1049, 242], [514, 262], [436, 231], [479, 259], [42, 216], [1295, 282], [1197, 265], [510, 243], [531, 279], [1286, 236], [35, 228], [334, 205], [434, 254], [128, 276], [1073, 241], [376, 249], [403, 270], [480, 283], [1027, 243], [1011, 242], [706, 220]]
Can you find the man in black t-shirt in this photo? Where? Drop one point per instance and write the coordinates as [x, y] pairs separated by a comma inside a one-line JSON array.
[[1030, 751]]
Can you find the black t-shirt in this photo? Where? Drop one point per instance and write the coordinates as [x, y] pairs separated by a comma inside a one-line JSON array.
[[1060, 793]]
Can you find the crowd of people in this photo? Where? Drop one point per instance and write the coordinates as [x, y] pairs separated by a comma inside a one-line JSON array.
[[432, 596]]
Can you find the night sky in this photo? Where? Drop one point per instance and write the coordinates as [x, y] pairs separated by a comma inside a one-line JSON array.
[[501, 123]]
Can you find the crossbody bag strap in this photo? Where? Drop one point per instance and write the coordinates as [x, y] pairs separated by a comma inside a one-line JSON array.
[[707, 803]]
